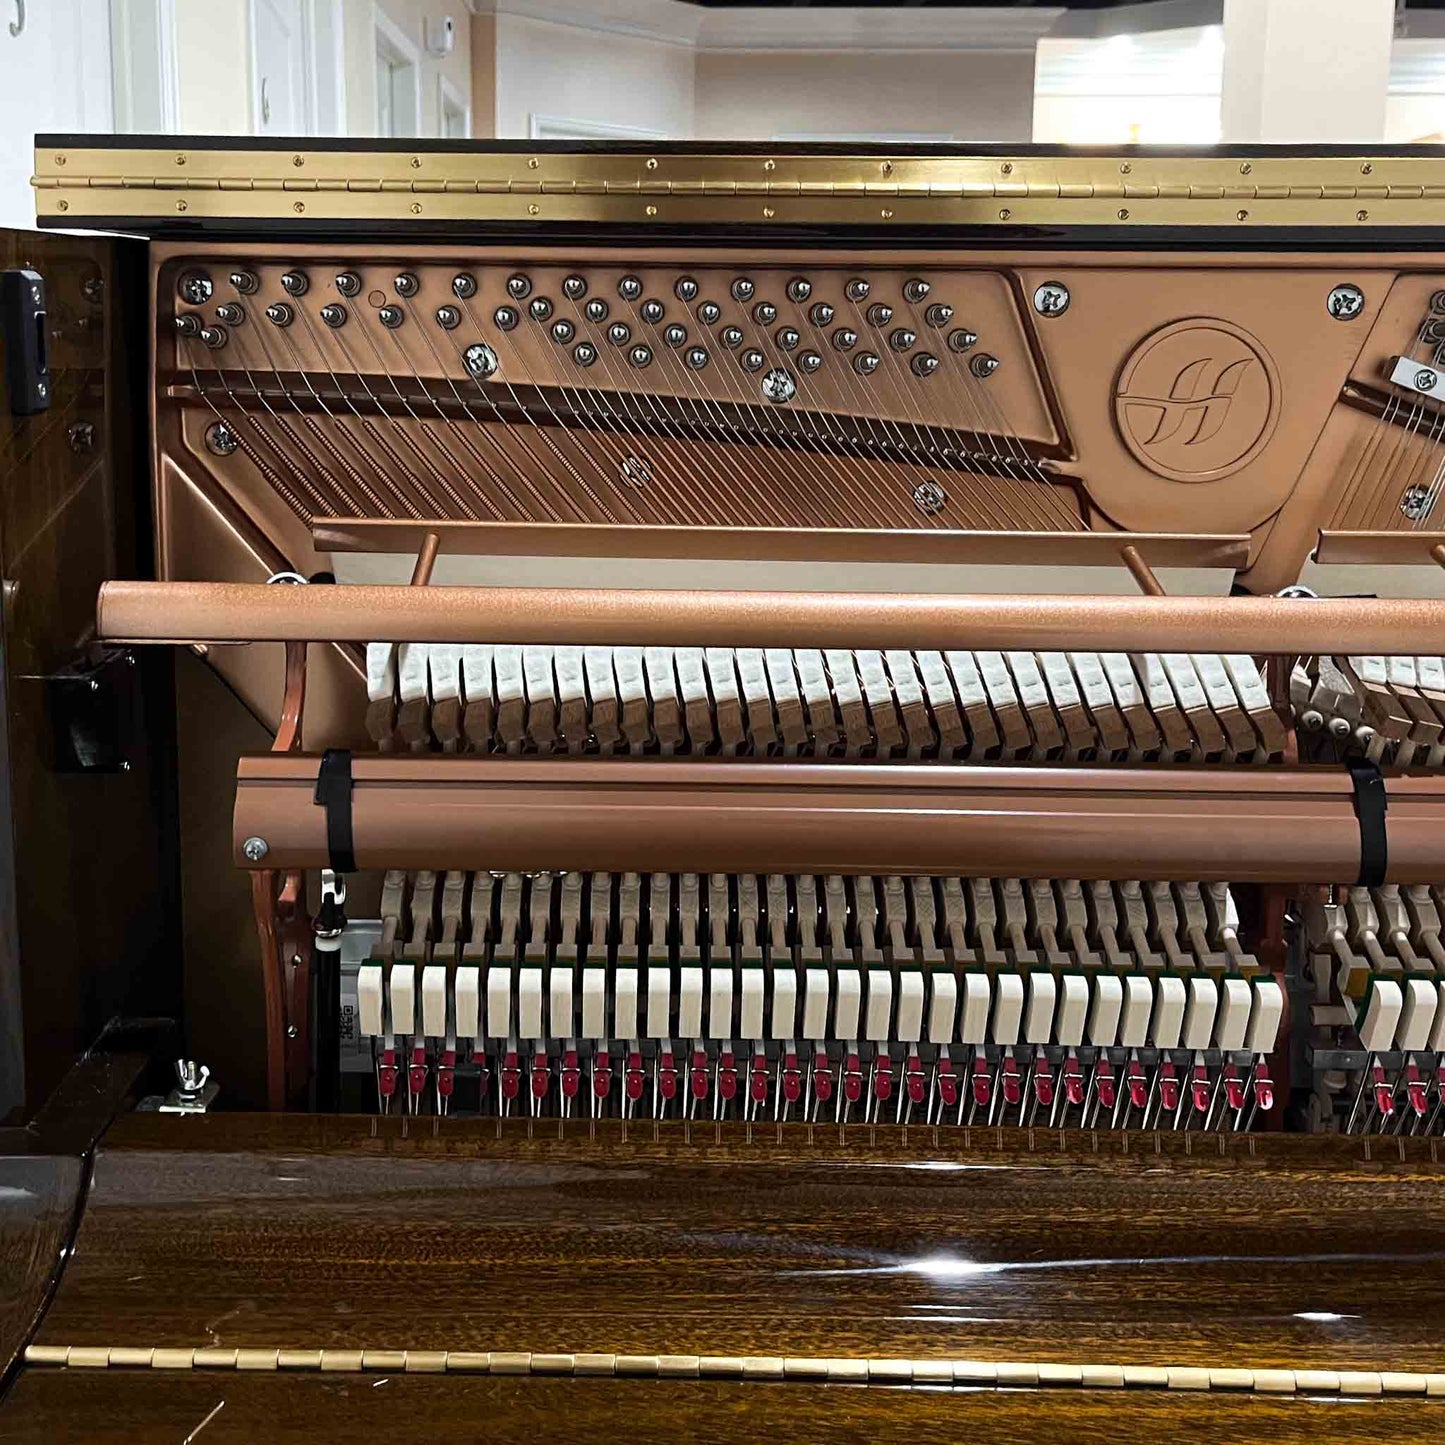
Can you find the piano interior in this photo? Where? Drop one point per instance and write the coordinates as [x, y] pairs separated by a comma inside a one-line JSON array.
[[752, 718]]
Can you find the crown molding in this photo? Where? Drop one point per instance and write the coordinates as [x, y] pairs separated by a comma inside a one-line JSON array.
[[792, 29]]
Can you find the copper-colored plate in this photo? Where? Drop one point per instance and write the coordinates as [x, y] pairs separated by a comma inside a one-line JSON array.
[[824, 544], [1391, 549]]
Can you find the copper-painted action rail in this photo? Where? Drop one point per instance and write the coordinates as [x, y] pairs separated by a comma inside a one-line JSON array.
[[645, 815], [221, 612]]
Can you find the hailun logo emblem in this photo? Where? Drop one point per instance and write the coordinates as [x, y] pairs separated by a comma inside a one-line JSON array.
[[1197, 400]]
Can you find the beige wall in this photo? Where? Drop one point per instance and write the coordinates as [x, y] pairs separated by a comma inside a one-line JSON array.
[[966, 95], [359, 42], [590, 77]]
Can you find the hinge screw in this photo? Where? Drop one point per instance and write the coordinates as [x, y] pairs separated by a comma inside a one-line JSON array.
[[255, 849]]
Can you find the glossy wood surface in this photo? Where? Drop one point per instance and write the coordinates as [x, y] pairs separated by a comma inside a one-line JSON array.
[[60, 1406], [308, 1233], [37, 1209]]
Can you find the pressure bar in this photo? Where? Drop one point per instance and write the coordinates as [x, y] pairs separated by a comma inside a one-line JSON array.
[[233, 612], [1243, 825]]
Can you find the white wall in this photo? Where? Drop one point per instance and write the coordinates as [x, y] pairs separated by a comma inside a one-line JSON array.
[[54, 76], [1159, 88], [596, 78], [359, 48], [213, 66], [946, 94]]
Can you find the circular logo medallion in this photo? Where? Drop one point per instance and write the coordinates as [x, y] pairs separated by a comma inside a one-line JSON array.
[[1197, 400]]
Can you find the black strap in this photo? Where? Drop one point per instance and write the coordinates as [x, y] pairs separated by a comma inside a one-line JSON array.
[[333, 792], [1371, 804]]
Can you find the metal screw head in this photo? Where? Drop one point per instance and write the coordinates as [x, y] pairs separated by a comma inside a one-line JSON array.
[[1416, 503], [779, 385], [292, 1032], [221, 441], [255, 849], [81, 436], [929, 497], [1426, 379], [1051, 298], [479, 359], [1345, 302]]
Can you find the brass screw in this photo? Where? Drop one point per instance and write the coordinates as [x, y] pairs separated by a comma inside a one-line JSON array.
[[1004, 214], [180, 205], [180, 160], [298, 160], [887, 215], [416, 163], [1245, 169], [652, 210], [533, 163], [1362, 215], [1125, 168], [769, 213], [1007, 168], [532, 210], [60, 160], [416, 208], [1123, 214], [62, 205], [1241, 215], [886, 168], [770, 165], [652, 163], [298, 206], [1366, 169]]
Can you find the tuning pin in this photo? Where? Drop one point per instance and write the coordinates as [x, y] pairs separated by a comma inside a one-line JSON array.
[[799, 289], [391, 317], [196, 288], [213, 336], [574, 287], [765, 313], [857, 289], [333, 315], [519, 286], [879, 314], [278, 313], [188, 324], [901, 338], [244, 282], [924, 364], [406, 284], [295, 283], [820, 313], [629, 288], [685, 288], [938, 315], [464, 285], [348, 284], [231, 312], [539, 308], [983, 365], [652, 311], [742, 289], [916, 290]]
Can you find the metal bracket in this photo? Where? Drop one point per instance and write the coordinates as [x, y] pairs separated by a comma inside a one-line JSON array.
[[194, 1093]]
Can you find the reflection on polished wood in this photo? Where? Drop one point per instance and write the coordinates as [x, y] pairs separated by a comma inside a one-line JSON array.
[[235, 1232], [105, 1406], [37, 1208]]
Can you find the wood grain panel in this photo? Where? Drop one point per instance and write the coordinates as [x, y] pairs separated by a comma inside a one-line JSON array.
[[316, 1234], [54, 1406], [37, 1207]]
